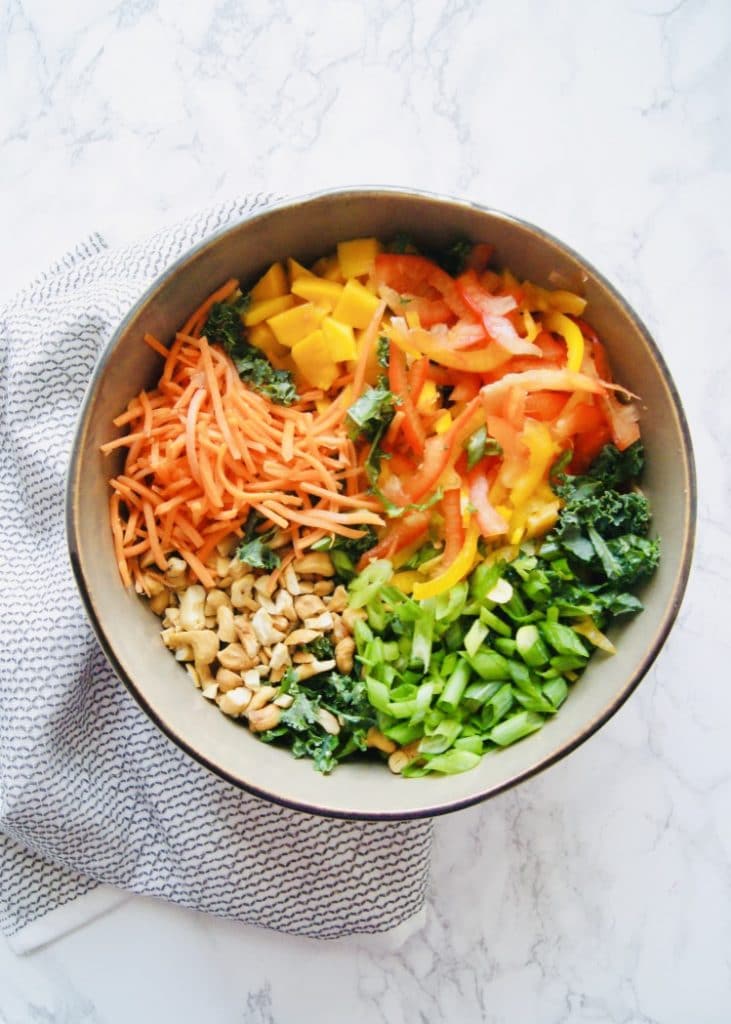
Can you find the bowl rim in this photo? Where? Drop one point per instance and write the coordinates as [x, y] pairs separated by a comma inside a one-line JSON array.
[[585, 732]]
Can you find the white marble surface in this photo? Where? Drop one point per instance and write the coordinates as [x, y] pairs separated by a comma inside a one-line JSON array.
[[600, 891]]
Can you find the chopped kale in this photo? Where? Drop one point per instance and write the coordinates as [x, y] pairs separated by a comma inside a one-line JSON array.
[[257, 554], [225, 327]]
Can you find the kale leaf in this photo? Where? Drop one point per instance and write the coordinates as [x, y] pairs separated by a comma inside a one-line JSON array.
[[321, 647], [613, 467], [257, 554], [225, 327]]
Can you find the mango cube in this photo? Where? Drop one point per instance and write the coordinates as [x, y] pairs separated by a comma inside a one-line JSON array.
[[267, 308], [356, 305], [262, 337], [357, 256], [271, 285], [339, 338], [312, 357], [318, 290], [295, 270], [296, 323], [328, 267]]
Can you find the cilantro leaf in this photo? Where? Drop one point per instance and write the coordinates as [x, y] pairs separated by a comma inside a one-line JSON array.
[[257, 554]]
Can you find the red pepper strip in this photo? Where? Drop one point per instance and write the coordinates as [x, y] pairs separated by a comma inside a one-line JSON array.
[[581, 419], [587, 446], [417, 378], [398, 382], [493, 395], [466, 387], [413, 274], [492, 311], [442, 449], [514, 407], [622, 419], [479, 257], [404, 532], [545, 405], [453, 529], [489, 520], [481, 360]]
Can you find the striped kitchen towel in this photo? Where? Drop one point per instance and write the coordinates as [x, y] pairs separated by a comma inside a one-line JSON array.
[[91, 794]]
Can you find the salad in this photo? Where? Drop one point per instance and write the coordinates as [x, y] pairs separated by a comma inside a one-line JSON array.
[[386, 505]]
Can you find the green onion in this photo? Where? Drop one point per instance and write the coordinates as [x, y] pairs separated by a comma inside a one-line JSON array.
[[497, 706], [474, 637], [490, 666], [453, 762], [421, 643], [471, 743], [556, 691], [495, 622], [563, 640], [477, 693], [515, 728], [370, 581], [442, 738], [452, 693], [530, 646]]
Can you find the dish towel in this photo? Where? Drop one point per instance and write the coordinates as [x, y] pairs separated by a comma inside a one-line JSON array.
[[91, 793]]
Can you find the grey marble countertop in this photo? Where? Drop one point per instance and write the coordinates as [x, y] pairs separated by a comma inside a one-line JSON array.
[[601, 890]]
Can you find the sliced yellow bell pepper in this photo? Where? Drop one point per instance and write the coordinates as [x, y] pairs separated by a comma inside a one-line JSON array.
[[271, 285], [312, 357], [443, 423], [542, 450], [427, 400], [318, 290], [456, 571], [532, 330], [357, 256], [267, 308], [560, 324], [405, 581], [295, 324], [356, 305], [566, 302]]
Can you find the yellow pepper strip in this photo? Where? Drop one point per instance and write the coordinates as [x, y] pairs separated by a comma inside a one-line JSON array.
[[542, 450], [456, 571], [588, 628], [567, 302], [560, 324], [404, 581]]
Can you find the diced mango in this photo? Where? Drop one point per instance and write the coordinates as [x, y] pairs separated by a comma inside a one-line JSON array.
[[318, 290], [357, 256], [312, 356], [340, 340], [443, 423], [356, 305], [259, 311], [295, 270], [271, 285], [262, 337], [296, 323], [328, 267]]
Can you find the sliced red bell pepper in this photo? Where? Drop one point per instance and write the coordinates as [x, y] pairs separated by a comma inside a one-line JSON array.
[[480, 256], [398, 382], [489, 520], [453, 529], [587, 446], [545, 405], [398, 536], [413, 274], [417, 377], [440, 449]]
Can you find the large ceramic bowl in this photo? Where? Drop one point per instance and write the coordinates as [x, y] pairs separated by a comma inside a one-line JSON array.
[[129, 632]]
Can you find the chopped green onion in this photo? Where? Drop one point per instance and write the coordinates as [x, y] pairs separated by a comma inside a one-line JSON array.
[[474, 637], [563, 640], [454, 689], [530, 646], [453, 762], [490, 666], [515, 728]]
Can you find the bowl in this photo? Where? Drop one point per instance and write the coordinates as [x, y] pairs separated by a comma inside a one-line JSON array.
[[129, 632]]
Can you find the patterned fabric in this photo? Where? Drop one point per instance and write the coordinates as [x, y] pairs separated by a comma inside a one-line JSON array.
[[90, 791]]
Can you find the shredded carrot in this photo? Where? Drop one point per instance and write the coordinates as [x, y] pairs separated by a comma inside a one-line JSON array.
[[203, 450]]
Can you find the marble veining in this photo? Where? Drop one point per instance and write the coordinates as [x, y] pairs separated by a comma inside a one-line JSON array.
[[599, 891]]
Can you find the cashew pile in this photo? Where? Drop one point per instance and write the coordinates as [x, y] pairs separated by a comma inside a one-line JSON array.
[[238, 640]]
